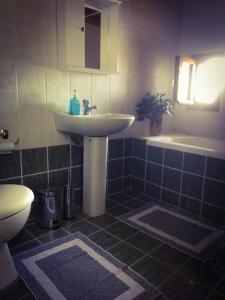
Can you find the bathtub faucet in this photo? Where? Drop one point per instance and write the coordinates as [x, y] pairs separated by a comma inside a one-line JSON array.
[[88, 108]]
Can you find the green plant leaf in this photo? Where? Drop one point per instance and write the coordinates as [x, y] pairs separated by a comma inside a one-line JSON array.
[[153, 106]]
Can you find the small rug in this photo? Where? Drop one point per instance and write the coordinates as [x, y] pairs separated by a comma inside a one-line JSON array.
[[178, 230], [75, 268]]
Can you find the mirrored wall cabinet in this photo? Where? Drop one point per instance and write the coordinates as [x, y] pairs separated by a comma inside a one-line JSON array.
[[87, 35]]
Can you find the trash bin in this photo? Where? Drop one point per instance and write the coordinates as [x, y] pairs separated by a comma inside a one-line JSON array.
[[50, 208], [69, 201]]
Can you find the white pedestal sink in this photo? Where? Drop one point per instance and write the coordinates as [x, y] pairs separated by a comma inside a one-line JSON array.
[[95, 129]]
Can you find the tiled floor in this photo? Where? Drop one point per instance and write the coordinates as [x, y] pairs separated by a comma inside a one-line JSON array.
[[177, 275]]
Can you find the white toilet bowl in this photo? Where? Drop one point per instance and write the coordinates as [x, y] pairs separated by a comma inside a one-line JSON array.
[[15, 205]]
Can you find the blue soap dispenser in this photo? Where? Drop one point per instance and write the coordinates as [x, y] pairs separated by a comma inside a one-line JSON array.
[[74, 105]]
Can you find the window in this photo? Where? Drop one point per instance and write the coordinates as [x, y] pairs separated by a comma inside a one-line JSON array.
[[200, 80]]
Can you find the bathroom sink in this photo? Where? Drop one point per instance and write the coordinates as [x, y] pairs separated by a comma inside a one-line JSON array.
[[92, 125]]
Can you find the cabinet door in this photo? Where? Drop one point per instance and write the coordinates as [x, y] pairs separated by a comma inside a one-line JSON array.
[[71, 35]]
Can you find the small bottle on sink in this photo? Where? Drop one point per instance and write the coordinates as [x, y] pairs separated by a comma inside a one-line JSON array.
[[74, 105]]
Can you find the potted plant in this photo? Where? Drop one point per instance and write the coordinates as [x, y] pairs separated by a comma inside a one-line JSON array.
[[152, 107]]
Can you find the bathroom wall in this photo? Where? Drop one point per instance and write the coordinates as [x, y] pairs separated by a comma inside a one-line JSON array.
[[54, 166], [203, 31], [32, 88]]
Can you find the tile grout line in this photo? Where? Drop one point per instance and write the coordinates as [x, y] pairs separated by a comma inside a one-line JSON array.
[[184, 171], [161, 185], [70, 168], [181, 180], [203, 187], [145, 172], [47, 137], [24, 297], [132, 158], [123, 162], [21, 165], [19, 119], [191, 197], [47, 158], [173, 273]]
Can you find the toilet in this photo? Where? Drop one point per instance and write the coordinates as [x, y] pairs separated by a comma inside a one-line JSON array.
[[15, 205]]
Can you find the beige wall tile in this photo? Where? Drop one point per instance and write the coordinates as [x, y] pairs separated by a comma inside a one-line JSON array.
[[57, 92], [8, 46], [9, 114], [31, 78], [32, 108], [7, 11], [54, 137], [57, 88], [30, 12], [13, 127], [118, 103], [100, 93], [37, 43], [82, 83], [118, 82], [7, 75], [9, 105]]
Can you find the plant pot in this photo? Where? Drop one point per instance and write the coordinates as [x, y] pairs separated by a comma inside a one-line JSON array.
[[155, 127]]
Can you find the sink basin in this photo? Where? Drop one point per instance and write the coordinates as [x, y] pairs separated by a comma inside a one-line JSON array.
[[92, 125]]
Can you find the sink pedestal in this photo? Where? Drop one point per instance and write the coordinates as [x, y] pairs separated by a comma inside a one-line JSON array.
[[94, 176], [95, 129]]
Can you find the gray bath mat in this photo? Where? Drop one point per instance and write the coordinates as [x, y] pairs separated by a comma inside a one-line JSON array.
[[75, 268], [178, 230]]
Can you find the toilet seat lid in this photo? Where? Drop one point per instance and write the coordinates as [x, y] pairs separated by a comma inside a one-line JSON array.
[[13, 199]]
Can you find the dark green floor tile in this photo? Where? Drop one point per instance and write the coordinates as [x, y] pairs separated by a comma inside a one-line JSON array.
[[178, 287], [27, 246], [36, 231], [162, 297], [134, 203], [170, 256], [22, 237], [118, 210], [152, 270], [221, 287], [79, 212], [131, 192], [28, 297], [103, 239], [219, 258], [103, 221], [110, 204], [53, 236], [121, 230], [126, 253], [143, 241], [146, 198], [216, 296], [71, 221], [83, 226], [202, 272], [17, 291], [119, 197]]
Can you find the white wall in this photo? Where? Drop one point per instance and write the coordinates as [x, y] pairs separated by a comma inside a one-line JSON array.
[[203, 31], [32, 88]]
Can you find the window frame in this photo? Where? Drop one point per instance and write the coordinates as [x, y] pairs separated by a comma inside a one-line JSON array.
[[192, 104]]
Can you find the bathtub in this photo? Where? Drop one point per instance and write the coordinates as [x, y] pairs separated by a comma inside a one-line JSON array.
[[191, 144]]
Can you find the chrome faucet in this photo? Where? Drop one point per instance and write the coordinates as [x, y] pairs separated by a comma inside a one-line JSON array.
[[88, 108]]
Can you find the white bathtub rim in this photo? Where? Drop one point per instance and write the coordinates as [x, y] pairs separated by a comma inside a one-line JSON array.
[[166, 144]]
